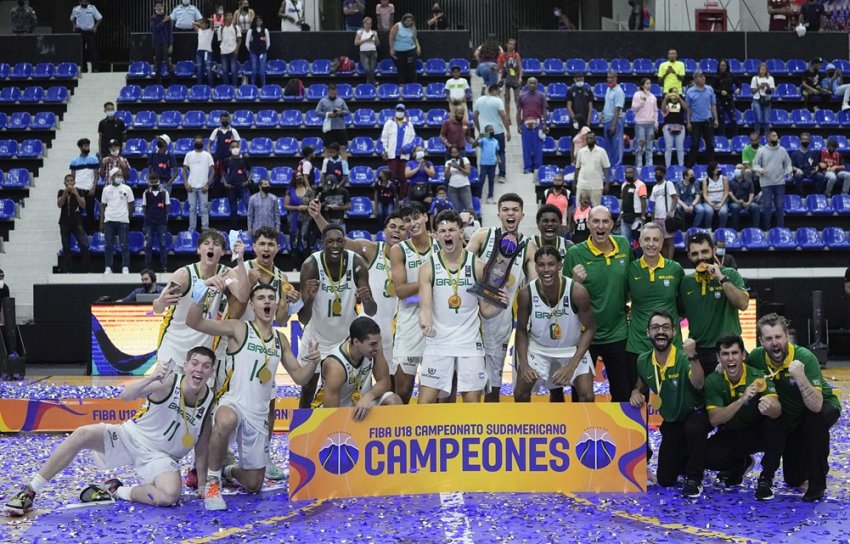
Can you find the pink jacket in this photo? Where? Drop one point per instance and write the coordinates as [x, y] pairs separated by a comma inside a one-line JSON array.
[[579, 141], [645, 106]]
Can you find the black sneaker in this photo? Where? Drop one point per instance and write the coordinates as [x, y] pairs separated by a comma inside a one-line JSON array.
[[112, 485], [723, 477], [692, 489], [21, 503], [764, 489], [814, 494], [95, 493]]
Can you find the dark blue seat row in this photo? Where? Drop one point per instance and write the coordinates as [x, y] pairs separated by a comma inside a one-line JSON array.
[[33, 95], [21, 120], [41, 71], [648, 67], [27, 149]]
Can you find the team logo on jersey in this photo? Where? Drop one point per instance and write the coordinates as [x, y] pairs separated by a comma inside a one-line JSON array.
[[480, 375], [566, 301], [717, 294], [535, 299], [479, 346], [467, 271], [666, 283], [432, 371]]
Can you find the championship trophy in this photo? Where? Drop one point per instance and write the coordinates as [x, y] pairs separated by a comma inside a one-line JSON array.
[[497, 271]]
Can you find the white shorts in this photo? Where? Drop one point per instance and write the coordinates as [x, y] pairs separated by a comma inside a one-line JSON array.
[[437, 373], [121, 449], [324, 349], [546, 366], [252, 441], [494, 363], [408, 365]]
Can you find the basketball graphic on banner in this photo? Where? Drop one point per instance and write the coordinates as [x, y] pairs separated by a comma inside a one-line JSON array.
[[595, 449], [339, 453]]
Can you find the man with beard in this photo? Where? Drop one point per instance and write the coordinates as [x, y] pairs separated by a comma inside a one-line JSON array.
[[809, 406], [497, 330], [600, 263], [554, 330], [710, 298], [742, 403], [676, 379]]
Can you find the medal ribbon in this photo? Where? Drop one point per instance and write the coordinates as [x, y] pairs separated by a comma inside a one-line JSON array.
[[183, 412], [553, 320], [661, 375], [785, 364], [333, 283]]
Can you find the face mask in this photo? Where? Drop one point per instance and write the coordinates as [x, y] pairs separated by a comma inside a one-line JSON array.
[[234, 151], [557, 13], [579, 82], [221, 11], [420, 155], [441, 197], [774, 143], [199, 145], [489, 134], [110, 113], [225, 123], [755, 145], [399, 115], [117, 181], [114, 152], [591, 145], [259, 26], [721, 251], [557, 187], [804, 144], [159, 11], [611, 85], [185, 2], [264, 189], [244, 8], [630, 178], [153, 187]]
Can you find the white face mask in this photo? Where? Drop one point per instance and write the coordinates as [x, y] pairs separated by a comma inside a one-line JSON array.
[[234, 151], [420, 155], [721, 251], [185, 2], [2, 283], [399, 115], [114, 152], [117, 181], [110, 113]]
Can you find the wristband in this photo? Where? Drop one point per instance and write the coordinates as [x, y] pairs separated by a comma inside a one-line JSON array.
[[199, 292], [724, 279], [295, 307]]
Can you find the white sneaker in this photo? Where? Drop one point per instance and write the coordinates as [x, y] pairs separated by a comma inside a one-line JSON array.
[[501, 179], [845, 107], [212, 496], [125, 270], [107, 271], [491, 200]]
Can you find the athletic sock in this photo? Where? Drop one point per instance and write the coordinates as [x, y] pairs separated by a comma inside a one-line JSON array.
[[228, 471], [214, 474], [123, 492], [37, 483]]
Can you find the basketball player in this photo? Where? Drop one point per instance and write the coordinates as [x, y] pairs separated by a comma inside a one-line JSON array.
[[497, 330], [555, 327], [406, 260], [175, 337], [377, 254], [348, 371], [449, 317], [332, 281], [254, 350], [173, 420]]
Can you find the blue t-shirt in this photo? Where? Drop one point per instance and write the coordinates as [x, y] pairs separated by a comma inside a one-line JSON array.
[[614, 98], [699, 102], [489, 147]]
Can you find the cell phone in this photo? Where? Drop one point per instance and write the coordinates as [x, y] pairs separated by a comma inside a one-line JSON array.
[[174, 288]]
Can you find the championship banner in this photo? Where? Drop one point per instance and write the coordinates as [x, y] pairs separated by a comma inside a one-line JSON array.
[[474, 447]]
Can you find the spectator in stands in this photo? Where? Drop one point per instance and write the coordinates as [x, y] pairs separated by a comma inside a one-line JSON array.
[[487, 163], [510, 68], [161, 40], [613, 119], [184, 15], [780, 15], [559, 196], [636, 15], [334, 200], [237, 181], [295, 202], [805, 165], [291, 15], [490, 110], [690, 197], [263, 210], [675, 112], [457, 90], [333, 109], [367, 40], [592, 169], [846, 281], [762, 86], [156, 203], [456, 132], [773, 165], [397, 140], [810, 86], [198, 173], [715, 197], [417, 172], [579, 231], [258, 41], [245, 19], [812, 15], [457, 173], [384, 21], [385, 196], [580, 139], [726, 87], [832, 166], [633, 209], [220, 138], [149, 286], [113, 159], [304, 170], [116, 206], [487, 55], [110, 129], [564, 22], [666, 200], [745, 168], [404, 48], [216, 20], [531, 115], [335, 165], [742, 195], [85, 20], [440, 202], [230, 38], [726, 259], [833, 82], [353, 10], [203, 56], [702, 118], [579, 102], [438, 19], [84, 169], [23, 18], [162, 163], [71, 202], [671, 72], [645, 107]]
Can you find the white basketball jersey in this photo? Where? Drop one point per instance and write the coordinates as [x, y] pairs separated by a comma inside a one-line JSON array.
[[497, 330], [458, 326], [359, 379], [250, 379], [408, 340], [161, 425], [560, 244], [175, 337], [553, 331], [383, 292], [276, 284], [334, 304]]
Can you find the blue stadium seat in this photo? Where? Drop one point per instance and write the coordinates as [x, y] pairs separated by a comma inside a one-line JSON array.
[[739, 143], [796, 67], [809, 238], [841, 204], [16, 178], [32, 94], [576, 66], [358, 235], [365, 118], [561, 117], [43, 70], [550, 147], [753, 239], [223, 93], [843, 65], [153, 93], [776, 67], [261, 147], [794, 205], [597, 67], [220, 208], [199, 93], [275, 68], [316, 143], [186, 242], [709, 66], [136, 241], [722, 144], [612, 204], [138, 209], [139, 70], [247, 93], [8, 209], [790, 142], [19, 120], [135, 147], [565, 144], [298, 67], [621, 66], [817, 142], [388, 91], [365, 91], [194, 119], [31, 149], [344, 91], [729, 236], [268, 118], [787, 91], [463, 64], [280, 176], [476, 206], [385, 115], [176, 93], [175, 209], [10, 95], [599, 90], [416, 116], [629, 89], [546, 173], [781, 238], [21, 70], [826, 118], [751, 66], [361, 175], [66, 70], [386, 67], [313, 119], [818, 204], [690, 66], [780, 118], [271, 93], [802, 118], [130, 93], [361, 146], [144, 119], [436, 67], [436, 117], [8, 149], [184, 68], [258, 173], [98, 243], [56, 94], [643, 67], [182, 146], [843, 144], [844, 118], [557, 91], [412, 91], [735, 66], [286, 146], [243, 118], [553, 67], [835, 238], [434, 146], [531, 67], [361, 206], [321, 67], [3, 120]]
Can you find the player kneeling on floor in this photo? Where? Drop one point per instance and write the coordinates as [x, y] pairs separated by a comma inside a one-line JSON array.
[[172, 421], [348, 371]]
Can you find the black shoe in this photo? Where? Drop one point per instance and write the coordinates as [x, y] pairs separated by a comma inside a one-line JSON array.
[[813, 495], [95, 493], [733, 479], [723, 476], [112, 485], [764, 489], [692, 489]]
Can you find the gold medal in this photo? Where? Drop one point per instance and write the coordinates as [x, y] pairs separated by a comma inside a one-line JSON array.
[[355, 397], [555, 331], [760, 384], [655, 401], [454, 302], [288, 288], [188, 440], [702, 268], [264, 375], [511, 281], [389, 288], [336, 307]]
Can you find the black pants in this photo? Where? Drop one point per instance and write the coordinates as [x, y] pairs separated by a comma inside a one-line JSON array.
[[822, 98], [90, 223], [65, 232], [614, 357], [806, 454], [727, 125], [728, 449], [682, 448], [405, 63], [89, 49], [707, 359], [160, 56], [701, 130]]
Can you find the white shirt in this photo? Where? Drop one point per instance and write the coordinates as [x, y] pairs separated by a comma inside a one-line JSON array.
[[199, 163], [296, 11], [457, 88], [456, 177], [589, 164], [115, 198], [757, 82], [657, 196], [228, 35], [368, 44], [205, 38]]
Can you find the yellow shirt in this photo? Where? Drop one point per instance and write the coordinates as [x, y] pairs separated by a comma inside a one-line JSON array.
[[669, 81]]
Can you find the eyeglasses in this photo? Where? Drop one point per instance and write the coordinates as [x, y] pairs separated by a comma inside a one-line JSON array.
[[665, 327]]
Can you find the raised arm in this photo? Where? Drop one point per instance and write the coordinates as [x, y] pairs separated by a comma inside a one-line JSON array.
[[300, 374], [168, 298], [309, 286], [364, 292], [231, 328], [156, 384]]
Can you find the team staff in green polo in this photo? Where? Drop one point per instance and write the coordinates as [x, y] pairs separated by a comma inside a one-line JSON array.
[[676, 378], [710, 298], [600, 263], [742, 403], [809, 406]]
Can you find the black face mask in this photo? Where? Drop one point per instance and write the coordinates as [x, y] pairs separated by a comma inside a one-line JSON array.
[[804, 144], [199, 145], [755, 145], [630, 178], [225, 123]]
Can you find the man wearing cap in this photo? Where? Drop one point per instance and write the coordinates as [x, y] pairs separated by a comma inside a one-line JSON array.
[[531, 111], [811, 88], [397, 139], [833, 83], [116, 206], [110, 128], [162, 163], [114, 160]]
